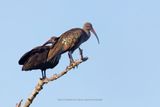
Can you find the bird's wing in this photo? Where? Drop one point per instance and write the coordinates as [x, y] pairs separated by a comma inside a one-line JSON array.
[[35, 50], [66, 42]]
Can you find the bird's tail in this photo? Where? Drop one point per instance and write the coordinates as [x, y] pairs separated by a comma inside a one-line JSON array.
[[26, 67]]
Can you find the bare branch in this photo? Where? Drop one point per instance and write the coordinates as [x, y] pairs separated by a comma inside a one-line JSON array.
[[42, 82], [19, 104]]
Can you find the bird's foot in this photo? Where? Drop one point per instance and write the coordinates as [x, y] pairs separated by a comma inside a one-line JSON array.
[[72, 63], [84, 58], [42, 78], [81, 53], [45, 80]]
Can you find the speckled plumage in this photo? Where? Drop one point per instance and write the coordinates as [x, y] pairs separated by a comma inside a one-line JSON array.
[[71, 40], [68, 41]]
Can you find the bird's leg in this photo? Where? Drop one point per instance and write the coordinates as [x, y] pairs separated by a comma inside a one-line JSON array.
[[42, 74], [70, 57], [81, 53]]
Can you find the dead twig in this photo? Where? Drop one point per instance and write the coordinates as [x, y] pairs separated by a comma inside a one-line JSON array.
[[19, 104]]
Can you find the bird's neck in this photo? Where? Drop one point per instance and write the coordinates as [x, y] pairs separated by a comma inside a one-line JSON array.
[[87, 32]]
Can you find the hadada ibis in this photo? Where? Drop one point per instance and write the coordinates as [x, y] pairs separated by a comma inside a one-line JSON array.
[[37, 58], [71, 40]]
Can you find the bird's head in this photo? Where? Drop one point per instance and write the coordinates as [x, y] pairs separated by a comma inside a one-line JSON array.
[[52, 40], [88, 27]]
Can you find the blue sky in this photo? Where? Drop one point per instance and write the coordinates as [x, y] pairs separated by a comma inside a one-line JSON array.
[[123, 70]]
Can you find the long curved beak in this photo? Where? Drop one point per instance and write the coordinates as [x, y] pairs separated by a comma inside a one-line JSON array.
[[93, 31], [48, 42]]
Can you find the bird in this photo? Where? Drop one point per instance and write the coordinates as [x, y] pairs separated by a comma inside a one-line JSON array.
[[36, 58], [70, 40]]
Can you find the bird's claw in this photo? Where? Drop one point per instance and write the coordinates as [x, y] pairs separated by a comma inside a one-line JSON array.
[[42, 78], [72, 64], [75, 66], [84, 58]]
